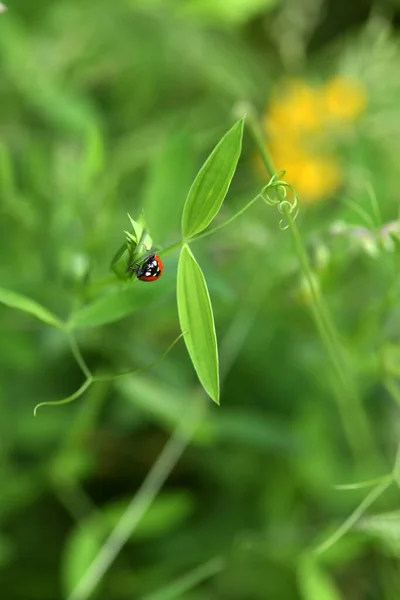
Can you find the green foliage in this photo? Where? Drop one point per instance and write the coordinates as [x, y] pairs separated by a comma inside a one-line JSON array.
[[212, 183], [197, 322], [138, 243], [315, 583], [168, 180], [167, 513], [115, 305], [108, 110], [30, 307], [233, 12]]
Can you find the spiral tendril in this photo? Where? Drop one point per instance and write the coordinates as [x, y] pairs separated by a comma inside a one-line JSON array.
[[278, 197]]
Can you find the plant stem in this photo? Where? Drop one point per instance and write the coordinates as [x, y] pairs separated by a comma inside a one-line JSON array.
[[225, 223], [355, 423], [190, 580], [172, 247], [208, 232], [140, 503], [78, 355], [373, 495]]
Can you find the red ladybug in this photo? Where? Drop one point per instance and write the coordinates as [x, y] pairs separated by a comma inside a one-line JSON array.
[[151, 269]]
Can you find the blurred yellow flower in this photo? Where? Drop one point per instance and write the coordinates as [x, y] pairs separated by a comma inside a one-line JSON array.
[[298, 109], [345, 100], [299, 123]]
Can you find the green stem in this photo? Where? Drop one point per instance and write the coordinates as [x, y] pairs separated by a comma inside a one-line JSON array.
[[112, 376], [225, 223], [258, 137], [184, 584], [78, 356], [140, 503], [354, 420], [362, 484], [355, 424], [208, 232], [172, 247], [87, 383], [374, 494]]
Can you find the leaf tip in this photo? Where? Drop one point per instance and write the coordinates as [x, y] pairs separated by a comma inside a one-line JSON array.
[[215, 396]]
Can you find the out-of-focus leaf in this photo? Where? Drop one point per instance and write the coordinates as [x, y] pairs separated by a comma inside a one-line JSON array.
[[233, 12], [254, 428], [197, 322], [117, 305], [212, 183], [386, 528], [93, 159], [7, 549], [314, 582], [168, 511], [163, 403], [7, 184], [81, 549], [169, 178], [29, 306], [48, 95]]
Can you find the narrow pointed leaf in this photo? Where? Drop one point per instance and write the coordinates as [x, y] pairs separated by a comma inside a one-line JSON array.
[[212, 183], [29, 306], [197, 322]]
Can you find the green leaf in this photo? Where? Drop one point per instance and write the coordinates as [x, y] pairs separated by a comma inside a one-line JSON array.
[[314, 582], [212, 183], [138, 242], [197, 322], [29, 306], [139, 233], [117, 305]]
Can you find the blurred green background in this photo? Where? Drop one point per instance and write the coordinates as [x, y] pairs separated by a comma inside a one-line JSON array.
[[106, 108]]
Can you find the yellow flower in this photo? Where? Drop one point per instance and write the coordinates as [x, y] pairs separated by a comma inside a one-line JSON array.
[[298, 108], [345, 100], [298, 124]]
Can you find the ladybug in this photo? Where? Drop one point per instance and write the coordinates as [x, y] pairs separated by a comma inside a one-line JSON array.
[[151, 269]]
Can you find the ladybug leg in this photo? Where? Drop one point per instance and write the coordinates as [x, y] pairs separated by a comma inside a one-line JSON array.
[[133, 269]]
